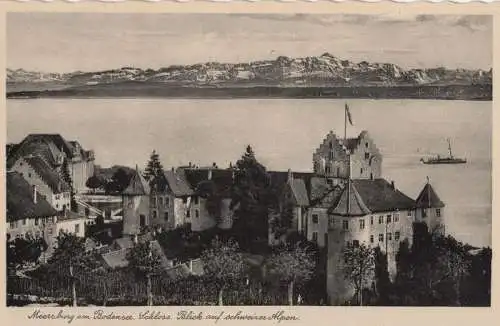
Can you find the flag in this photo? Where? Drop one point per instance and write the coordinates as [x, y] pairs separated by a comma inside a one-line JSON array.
[[348, 113]]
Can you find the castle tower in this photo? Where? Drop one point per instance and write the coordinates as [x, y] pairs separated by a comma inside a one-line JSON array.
[[430, 209], [338, 158], [136, 205]]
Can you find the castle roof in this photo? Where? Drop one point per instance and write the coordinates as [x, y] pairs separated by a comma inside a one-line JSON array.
[[20, 201], [429, 198], [177, 183], [298, 187], [137, 186], [47, 174], [350, 203], [367, 196]]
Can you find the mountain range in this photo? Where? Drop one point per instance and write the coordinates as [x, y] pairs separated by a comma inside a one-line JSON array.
[[316, 71]]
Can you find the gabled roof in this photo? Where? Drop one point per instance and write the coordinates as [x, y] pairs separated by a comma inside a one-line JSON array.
[[48, 174], [137, 186], [20, 200], [380, 196], [350, 203], [322, 194], [221, 179], [177, 183], [298, 187], [429, 198]]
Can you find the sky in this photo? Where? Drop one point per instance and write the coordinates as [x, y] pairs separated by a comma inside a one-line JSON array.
[[66, 42]]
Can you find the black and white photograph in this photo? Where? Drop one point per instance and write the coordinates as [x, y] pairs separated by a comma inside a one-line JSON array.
[[248, 159]]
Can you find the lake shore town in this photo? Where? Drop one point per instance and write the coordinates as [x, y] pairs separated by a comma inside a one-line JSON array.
[[81, 234]]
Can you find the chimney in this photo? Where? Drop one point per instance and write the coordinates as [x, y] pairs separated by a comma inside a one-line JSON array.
[[214, 165], [191, 265], [392, 185], [190, 164], [34, 194], [209, 174]]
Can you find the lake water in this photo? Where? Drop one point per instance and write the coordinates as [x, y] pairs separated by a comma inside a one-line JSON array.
[[284, 133]]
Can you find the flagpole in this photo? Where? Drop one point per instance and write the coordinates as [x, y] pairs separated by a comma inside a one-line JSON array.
[[345, 124]]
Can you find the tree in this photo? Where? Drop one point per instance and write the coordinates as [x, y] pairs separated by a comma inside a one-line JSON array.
[[119, 181], [154, 169], [281, 220], [94, 182], [252, 199], [69, 259], [66, 176], [145, 262], [359, 266], [223, 265], [292, 265], [382, 280], [213, 199]]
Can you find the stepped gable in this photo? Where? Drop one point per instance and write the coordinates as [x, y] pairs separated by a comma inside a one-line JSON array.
[[20, 201], [428, 198], [350, 203], [47, 174], [138, 186]]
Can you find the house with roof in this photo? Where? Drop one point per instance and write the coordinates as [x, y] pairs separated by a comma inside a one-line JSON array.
[[375, 213], [55, 150], [30, 215], [35, 170], [136, 205]]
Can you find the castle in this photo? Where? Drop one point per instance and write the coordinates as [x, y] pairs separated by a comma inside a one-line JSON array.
[[344, 201]]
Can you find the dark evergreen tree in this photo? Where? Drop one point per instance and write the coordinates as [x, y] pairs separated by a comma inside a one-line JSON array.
[[382, 280], [154, 173], [252, 200], [66, 176]]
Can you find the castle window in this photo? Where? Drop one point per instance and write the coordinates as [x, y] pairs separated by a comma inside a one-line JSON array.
[[36, 221], [167, 201], [355, 243], [195, 199], [361, 171], [327, 170], [77, 228], [409, 213], [345, 225], [380, 237], [196, 213], [367, 156], [315, 237], [380, 219], [24, 221], [166, 216], [29, 174], [315, 218], [362, 224], [188, 213], [332, 155], [396, 217], [331, 145], [12, 225], [389, 236], [371, 238], [389, 220], [438, 212], [160, 201], [396, 235], [424, 213], [155, 214], [338, 172], [371, 220], [142, 220], [185, 200]]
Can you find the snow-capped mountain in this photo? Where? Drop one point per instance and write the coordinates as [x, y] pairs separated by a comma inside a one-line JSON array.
[[324, 70]]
